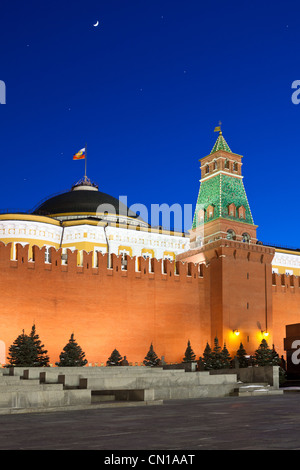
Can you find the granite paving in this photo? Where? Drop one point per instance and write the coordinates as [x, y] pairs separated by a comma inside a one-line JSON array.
[[233, 423]]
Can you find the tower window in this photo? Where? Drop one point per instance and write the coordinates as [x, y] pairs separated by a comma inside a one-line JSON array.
[[242, 212], [210, 212], [226, 163], [207, 169], [246, 237], [231, 234], [232, 210], [235, 166]]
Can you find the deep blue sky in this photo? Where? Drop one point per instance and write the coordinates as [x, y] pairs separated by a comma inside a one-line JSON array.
[[145, 90]]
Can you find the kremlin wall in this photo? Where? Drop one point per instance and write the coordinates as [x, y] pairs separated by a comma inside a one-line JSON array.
[[106, 308], [116, 282], [163, 302]]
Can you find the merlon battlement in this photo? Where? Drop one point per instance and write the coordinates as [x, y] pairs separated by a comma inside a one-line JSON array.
[[285, 281], [111, 265]]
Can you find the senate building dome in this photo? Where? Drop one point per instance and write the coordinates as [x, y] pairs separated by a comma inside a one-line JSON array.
[[84, 200], [87, 220]]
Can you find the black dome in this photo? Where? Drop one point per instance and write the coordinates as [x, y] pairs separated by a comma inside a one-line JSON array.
[[81, 201]]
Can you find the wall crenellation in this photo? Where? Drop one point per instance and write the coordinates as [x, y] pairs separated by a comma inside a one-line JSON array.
[[285, 281], [112, 265]]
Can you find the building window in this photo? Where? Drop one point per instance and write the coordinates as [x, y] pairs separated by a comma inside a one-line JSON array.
[[207, 169], [235, 166], [147, 253], [246, 238], [210, 212], [123, 255], [232, 210], [215, 164], [47, 254], [170, 255], [242, 212], [226, 164], [231, 234]]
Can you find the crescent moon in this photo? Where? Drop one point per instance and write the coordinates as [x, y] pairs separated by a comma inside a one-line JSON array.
[[96, 24]]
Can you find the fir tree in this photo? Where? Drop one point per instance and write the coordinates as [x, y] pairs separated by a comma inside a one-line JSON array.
[[72, 355], [207, 359], [27, 351], [226, 358], [241, 356], [42, 360], [264, 356], [217, 358], [189, 354], [21, 352], [151, 359], [115, 359]]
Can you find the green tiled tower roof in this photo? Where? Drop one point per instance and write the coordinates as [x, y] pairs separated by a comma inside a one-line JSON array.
[[220, 144], [220, 190]]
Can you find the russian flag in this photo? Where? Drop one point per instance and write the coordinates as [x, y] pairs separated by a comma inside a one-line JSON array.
[[79, 155]]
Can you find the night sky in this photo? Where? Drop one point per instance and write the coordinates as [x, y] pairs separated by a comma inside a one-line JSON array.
[[145, 90]]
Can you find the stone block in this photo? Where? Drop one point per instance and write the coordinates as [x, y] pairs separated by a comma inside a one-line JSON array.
[[44, 398]]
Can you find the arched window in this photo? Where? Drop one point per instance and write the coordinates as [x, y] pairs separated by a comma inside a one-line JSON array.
[[226, 163], [231, 234], [207, 169], [246, 237], [235, 166], [215, 164]]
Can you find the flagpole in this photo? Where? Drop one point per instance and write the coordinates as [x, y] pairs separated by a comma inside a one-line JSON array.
[[85, 163]]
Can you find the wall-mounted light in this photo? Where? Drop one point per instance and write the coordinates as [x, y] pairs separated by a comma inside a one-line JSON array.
[[265, 333], [236, 332]]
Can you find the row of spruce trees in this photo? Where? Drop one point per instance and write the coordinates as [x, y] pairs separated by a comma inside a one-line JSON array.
[[219, 358], [28, 351]]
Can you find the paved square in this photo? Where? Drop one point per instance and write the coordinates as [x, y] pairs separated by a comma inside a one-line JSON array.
[[214, 423]]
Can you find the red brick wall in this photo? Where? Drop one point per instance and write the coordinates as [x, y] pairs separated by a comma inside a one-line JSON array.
[[241, 292], [286, 306], [104, 308], [112, 308]]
